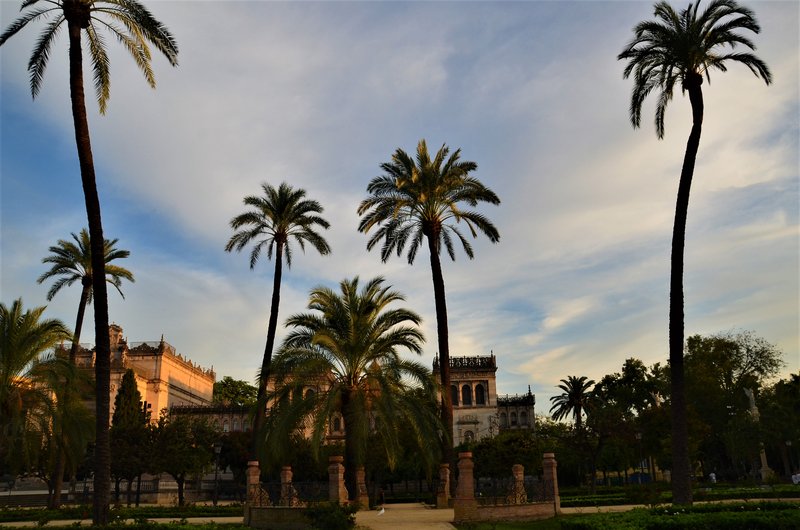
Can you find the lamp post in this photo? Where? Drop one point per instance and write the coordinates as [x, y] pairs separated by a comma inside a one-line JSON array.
[[641, 456], [217, 451]]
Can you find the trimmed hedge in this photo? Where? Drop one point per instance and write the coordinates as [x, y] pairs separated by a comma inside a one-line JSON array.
[[44, 515]]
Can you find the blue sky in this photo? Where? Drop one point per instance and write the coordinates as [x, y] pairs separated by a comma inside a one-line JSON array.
[[320, 94]]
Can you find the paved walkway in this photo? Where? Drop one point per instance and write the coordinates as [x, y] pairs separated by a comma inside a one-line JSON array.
[[411, 516]]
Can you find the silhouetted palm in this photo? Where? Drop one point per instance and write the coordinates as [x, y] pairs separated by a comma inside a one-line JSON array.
[[134, 27], [276, 218], [680, 48], [72, 262], [347, 352], [423, 199], [575, 400]]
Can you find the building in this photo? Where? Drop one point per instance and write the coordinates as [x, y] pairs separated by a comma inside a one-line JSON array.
[[478, 412], [165, 378]]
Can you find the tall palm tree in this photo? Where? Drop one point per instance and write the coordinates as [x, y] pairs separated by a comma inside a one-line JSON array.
[[575, 399], [24, 337], [682, 48], [134, 26], [420, 199], [274, 220], [347, 351], [73, 262]]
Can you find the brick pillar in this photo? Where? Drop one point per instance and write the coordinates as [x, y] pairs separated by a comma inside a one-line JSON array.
[[443, 490], [336, 489], [253, 483], [517, 495], [361, 483], [289, 495], [465, 506], [550, 478]]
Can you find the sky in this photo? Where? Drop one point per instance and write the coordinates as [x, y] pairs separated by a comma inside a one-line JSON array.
[[319, 94]]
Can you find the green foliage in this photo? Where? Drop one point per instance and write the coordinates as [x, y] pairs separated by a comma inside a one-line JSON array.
[[230, 391], [332, 516], [131, 440]]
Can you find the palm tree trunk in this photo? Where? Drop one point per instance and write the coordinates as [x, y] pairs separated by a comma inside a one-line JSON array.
[[76, 337], [350, 449], [102, 476], [266, 362], [681, 480], [444, 356]]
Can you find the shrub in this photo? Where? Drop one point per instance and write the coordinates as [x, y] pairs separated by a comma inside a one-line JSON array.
[[332, 516]]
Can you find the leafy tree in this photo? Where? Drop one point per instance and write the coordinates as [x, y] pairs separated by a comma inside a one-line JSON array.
[[134, 26], [780, 408], [423, 199], [274, 220], [680, 47], [575, 399], [183, 445], [130, 435], [344, 359], [230, 391], [73, 262]]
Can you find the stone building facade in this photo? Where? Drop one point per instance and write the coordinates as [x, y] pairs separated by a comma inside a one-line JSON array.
[[165, 378], [478, 412]]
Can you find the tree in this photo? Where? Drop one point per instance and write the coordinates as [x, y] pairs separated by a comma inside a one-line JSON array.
[[423, 199], [682, 47], [230, 391], [574, 401], [73, 262], [183, 445], [130, 435], [343, 360], [276, 218], [134, 26]]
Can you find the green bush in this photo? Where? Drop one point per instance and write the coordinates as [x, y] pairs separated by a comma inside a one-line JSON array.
[[332, 516]]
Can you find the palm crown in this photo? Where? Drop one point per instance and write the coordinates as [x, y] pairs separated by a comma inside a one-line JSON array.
[[574, 400], [420, 198], [683, 47], [128, 21], [73, 262], [278, 217]]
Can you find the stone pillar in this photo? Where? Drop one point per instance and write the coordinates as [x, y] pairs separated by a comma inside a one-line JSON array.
[[336, 489], [465, 507], [289, 495], [550, 478], [361, 483], [253, 483], [517, 495], [443, 490]]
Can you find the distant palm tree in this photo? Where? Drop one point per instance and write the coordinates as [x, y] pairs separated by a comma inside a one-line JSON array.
[[422, 199], [73, 262], [276, 218], [24, 338], [134, 26], [575, 400], [347, 353], [682, 48]]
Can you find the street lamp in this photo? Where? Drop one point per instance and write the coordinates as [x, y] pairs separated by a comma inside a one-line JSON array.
[[641, 456], [217, 451]]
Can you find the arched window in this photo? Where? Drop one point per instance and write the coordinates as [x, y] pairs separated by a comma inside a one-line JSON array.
[[480, 395], [235, 424], [454, 394], [513, 419], [469, 436], [523, 418], [503, 420], [225, 426], [310, 393], [246, 426], [466, 395], [337, 424]]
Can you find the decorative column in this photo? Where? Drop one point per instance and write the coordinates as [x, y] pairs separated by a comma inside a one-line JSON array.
[[465, 506], [443, 490], [253, 484], [361, 483], [517, 495], [550, 478], [289, 495], [337, 492]]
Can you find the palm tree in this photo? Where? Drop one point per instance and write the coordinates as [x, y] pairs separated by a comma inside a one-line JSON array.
[[420, 199], [575, 400], [682, 48], [134, 26], [344, 359], [73, 262], [276, 218], [24, 337]]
